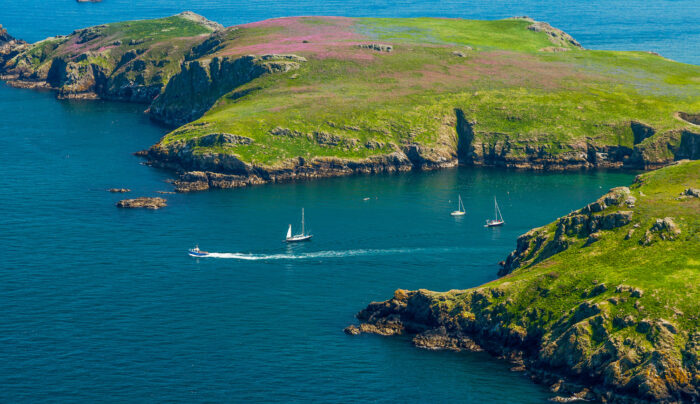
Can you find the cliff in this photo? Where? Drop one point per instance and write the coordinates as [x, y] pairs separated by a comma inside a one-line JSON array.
[[326, 96], [600, 304], [129, 61]]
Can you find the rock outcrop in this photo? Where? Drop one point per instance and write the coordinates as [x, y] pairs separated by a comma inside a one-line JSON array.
[[143, 202], [589, 222]]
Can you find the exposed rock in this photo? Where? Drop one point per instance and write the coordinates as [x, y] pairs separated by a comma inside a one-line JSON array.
[[554, 49], [634, 292], [459, 54], [691, 192], [119, 190], [142, 202], [373, 145], [377, 47], [352, 330], [556, 36], [592, 238], [226, 139], [662, 229], [439, 338], [690, 118], [214, 26], [278, 131]]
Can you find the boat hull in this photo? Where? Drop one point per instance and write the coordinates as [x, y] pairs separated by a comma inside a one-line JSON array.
[[298, 239], [458, 213], [198, 254], [494, 224]]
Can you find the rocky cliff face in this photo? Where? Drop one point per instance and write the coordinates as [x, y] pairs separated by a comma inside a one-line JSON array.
[[9, 47], [199, 84], [480, 148], [224, 170], [576, 356], [106, 62]]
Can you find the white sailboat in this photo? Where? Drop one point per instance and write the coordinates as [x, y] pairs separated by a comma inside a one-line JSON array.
[[298, 237], [498, 218], [460, 208]]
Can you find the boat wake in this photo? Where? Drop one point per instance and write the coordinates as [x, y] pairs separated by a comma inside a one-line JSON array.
[[330, 254]]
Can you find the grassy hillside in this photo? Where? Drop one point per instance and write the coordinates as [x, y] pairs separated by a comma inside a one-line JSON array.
[[304, 97], [606, 295], [519, 90]]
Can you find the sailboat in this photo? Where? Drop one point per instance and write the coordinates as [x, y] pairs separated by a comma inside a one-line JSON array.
[[298, 237], [460, 208], [498, 220]]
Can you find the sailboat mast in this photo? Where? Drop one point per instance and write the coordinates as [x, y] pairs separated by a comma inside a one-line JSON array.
[[302, 221], [495, 208]]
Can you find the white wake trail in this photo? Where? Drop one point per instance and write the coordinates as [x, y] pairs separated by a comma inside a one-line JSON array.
[[325, 254]]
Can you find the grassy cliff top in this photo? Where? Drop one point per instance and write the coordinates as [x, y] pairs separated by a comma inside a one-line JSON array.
[[654, 248], [513, 79]]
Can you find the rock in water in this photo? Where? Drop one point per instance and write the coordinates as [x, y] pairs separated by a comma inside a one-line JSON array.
[[118, 190], [142, 202]]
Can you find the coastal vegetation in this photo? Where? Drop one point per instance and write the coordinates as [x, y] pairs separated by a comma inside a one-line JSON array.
[[306, 97], [601, 303]]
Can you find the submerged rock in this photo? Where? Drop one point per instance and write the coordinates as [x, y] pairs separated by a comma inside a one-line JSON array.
[[119, 190]]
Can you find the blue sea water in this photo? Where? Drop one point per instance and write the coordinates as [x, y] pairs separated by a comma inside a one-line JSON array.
[[102, 304]]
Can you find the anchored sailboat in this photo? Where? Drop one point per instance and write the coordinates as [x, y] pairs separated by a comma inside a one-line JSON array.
[[498, 220], [460, 208], [298, 237]]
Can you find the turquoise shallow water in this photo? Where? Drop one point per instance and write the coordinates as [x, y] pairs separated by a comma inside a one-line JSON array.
[[103, 304]]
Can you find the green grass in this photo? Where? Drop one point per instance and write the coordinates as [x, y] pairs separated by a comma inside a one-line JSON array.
[[506, 85], [667, 271]]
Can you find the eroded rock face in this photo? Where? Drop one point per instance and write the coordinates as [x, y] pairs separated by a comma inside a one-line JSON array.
[[9, 47], [191, 92], [578, 347]]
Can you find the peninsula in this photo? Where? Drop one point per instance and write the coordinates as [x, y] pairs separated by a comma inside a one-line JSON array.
[[600, 304], [307, 97]]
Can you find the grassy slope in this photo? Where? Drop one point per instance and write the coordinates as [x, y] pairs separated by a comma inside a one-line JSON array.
[[505, 84], [667, 271]]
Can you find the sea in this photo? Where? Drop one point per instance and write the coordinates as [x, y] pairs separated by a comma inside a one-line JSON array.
[[100, 304]]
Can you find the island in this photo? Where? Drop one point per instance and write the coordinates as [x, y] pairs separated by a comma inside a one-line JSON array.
[[601, 304], [307, 97]]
